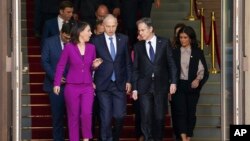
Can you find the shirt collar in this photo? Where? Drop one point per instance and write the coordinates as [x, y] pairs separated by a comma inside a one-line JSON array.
[[153, 39], [60, 19], [107, 36], [186, 49]]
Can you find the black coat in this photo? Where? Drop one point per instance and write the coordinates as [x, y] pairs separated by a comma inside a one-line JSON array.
[[163, 67]]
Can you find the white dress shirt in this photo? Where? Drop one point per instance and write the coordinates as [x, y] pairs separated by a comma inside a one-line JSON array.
[[60, 22], [108, 41], [153, 43]]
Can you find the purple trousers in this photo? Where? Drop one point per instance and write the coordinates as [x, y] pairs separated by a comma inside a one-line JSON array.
[[79, 102]]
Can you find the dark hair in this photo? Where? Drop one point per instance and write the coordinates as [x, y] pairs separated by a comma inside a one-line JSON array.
[[64, 4], [76, 29], [145, 20], [191, 34], [178, 25], [66, 27], [98, 22]]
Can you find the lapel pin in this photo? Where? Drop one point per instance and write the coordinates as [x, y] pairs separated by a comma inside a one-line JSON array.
[[191, 56]]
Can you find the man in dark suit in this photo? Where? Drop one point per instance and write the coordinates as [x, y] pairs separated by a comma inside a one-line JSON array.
[[54, 25], [153, 70], [112, 78], [51, 52]]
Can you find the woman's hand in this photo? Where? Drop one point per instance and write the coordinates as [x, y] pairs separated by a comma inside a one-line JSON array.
[[128, 88], [56, 90], [195, 83], [97, 62]]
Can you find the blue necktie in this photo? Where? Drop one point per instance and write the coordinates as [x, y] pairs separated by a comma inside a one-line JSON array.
[[151, 52], [112, 48], [112, 53]]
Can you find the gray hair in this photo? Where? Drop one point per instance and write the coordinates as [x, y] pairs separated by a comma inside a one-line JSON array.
[[146, 21], [109, 17]]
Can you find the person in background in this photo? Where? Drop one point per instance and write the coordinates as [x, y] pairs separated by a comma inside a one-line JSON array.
[[50, 55], [54, 25], [177, 27], [112, 78], [192, 73], [101, 12], [80, 56], [99, 28], [153, 67]]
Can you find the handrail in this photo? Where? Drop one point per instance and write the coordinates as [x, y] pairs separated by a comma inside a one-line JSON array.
[[212, 33], [191, 17]]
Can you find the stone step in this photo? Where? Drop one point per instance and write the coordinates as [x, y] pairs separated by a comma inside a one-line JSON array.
[[209, 98], [211, 87], [206, 132]]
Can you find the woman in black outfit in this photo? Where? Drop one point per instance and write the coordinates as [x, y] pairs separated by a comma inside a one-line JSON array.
[[192, 74]]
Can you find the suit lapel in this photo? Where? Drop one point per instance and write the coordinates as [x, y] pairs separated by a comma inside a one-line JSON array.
[[118, 45], [58, 45], [191, 62], [77, 51], [158, 48], [144, 51]]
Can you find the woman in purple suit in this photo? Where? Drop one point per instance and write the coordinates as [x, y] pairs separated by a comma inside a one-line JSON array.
[[80, 59]]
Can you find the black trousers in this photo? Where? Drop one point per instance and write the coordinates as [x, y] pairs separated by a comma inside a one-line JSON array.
[[183, 108], [153, 110]]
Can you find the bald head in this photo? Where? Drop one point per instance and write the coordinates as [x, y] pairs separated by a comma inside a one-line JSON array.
[[110, 18], [110, 24], [101, 12]]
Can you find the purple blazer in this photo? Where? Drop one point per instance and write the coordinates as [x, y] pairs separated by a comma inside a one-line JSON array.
[[79, 69]]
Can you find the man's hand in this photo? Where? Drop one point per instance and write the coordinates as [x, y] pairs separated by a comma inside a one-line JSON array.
[[128, 88], [172, 89], [97, 62], [56, 90], [134, 95]]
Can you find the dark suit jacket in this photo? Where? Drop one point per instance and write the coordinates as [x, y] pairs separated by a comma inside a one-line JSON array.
[[50, 28], [196, 55], [121, 64], [51, 52], [163, 67]]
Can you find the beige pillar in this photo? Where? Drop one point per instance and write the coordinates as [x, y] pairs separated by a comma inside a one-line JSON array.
[[247, 52], [5, 81]]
